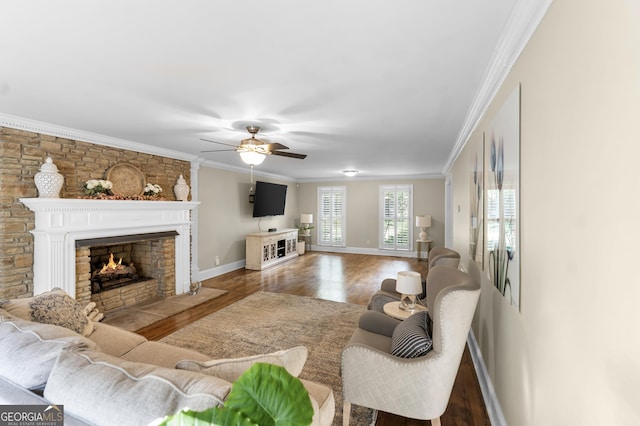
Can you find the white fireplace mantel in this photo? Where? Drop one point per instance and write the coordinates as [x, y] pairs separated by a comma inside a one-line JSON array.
[[60, 222]]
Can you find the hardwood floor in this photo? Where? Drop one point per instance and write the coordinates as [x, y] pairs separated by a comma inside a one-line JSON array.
[[350, 278]]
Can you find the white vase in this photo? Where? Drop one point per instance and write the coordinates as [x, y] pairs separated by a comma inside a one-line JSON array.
[[181, 189], [48, 181]]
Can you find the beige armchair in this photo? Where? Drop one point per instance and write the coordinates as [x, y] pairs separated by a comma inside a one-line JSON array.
[[443, 256], [387, 293], [417, 388]]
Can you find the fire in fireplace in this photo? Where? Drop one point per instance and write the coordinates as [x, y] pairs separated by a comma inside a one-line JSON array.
[[112, 275], [125, 270]]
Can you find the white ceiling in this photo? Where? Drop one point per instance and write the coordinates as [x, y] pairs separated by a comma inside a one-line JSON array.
[[380, 86]]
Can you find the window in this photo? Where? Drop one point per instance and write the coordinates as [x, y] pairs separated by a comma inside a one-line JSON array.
[[396, 212], [332, 216]]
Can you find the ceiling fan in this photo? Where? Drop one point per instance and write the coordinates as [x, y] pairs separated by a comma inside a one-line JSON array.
[[253, 150]]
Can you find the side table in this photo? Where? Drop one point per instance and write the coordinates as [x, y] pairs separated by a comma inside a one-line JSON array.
[[307, 239], [419, 244], [393, 310]]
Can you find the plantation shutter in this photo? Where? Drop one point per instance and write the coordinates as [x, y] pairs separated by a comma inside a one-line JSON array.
[[331, 202], [396, 215]]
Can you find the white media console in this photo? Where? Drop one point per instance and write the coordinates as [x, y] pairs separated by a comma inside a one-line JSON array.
[[265, 249]]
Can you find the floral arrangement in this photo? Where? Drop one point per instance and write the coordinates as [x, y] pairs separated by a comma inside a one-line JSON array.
[[152, 189], [102, 189], [95, 187]]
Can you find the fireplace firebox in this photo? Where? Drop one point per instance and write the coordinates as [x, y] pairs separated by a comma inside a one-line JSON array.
[[126, 269]]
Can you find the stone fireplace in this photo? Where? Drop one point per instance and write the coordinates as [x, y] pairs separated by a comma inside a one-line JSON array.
[[154, 234]]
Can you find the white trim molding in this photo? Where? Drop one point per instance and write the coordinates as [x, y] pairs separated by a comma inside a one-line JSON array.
[[488, 393], [524, 20], [220, 270]]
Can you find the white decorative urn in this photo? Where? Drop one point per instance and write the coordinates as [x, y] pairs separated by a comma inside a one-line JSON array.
[[48, 180], [181, 189]]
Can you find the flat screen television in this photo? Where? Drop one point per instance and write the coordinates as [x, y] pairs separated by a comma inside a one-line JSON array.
[[269, 199]]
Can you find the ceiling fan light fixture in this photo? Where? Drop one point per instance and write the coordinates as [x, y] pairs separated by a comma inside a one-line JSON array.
[[252, 158], [350, 173]]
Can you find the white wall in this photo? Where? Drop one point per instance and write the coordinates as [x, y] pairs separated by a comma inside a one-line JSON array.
[[571, 356]]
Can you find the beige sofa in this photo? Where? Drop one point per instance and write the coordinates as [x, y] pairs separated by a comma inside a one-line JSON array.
[[112, 376]]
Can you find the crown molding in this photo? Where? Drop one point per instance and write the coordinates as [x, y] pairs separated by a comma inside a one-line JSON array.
[[35, 126], [372, 178], [523, 21]]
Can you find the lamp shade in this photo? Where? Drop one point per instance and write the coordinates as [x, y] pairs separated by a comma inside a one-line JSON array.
[[306, 218], [409, 282], [252, 158], [423, 221]]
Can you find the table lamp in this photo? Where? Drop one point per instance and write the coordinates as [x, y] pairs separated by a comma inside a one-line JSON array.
[[408, 284], [423, 222], [306, 219]]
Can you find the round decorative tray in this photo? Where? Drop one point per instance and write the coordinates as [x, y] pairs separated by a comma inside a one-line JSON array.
[[126, 179]]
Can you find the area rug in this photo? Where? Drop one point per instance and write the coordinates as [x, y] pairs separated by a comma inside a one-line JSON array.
[[133, 318], [265, 322]]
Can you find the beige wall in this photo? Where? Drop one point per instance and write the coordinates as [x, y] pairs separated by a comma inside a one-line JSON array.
[[225, 215], [571, 356], [363, 209]]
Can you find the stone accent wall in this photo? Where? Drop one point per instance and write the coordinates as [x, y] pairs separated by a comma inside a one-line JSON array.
[[21, 155]]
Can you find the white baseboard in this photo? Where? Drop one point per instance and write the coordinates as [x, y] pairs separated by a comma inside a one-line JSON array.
[[361, 250], [219, 270], [488, 393]]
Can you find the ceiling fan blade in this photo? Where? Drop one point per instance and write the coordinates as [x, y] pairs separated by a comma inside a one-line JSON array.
[[289, 154], [219, 150], [273, 146], [221, 143]]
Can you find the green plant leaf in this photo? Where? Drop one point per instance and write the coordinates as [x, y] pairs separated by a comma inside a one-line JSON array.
[[265, 395], [269, 395], [217, 416]]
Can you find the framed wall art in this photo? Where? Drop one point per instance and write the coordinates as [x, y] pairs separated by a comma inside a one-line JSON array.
[[502, 198]]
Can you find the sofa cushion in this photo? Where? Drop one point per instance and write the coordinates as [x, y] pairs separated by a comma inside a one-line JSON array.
[[411, 337], [22, 307], [68, 313], [115, 341], [162, 354], [29, 349], [323, 402], [97, 387], [230, 369], [63, 310]]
